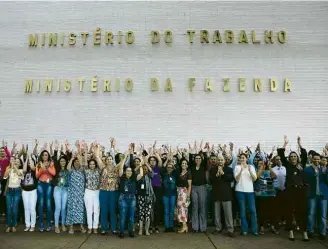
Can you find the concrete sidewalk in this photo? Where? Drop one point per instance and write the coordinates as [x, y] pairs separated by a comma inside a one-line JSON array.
[[36, 240]]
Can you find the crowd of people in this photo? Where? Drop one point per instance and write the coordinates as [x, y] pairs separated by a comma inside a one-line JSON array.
[[108, 190]]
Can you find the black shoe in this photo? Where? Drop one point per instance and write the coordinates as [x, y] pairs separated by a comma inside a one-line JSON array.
[[167, 230], [103, 233], [217, 232], [172, 230], [121, 236], [194, 231], [322, 237], [230, 234], [131, 234], [291, 239]]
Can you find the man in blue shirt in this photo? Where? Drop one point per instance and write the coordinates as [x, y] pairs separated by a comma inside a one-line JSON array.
[[317, 179]]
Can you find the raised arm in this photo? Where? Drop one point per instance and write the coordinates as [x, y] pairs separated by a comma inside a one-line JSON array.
[[304, 157], [140, 175], [96, 152], [35, 150], [281, 152], [121, 164]]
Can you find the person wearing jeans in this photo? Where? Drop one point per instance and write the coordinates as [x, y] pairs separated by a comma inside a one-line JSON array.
[[317, 194], [127, 199], [245, 175], [108, 194], [29, 194], [45, 171], [169, 194], [60, 182], [14, 174]]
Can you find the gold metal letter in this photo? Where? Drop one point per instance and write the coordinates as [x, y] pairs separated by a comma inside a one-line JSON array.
[[191, 34], [217, 37], [226, 87], [94, 82], [254, 41], [107, 85], [204, 36], [268, 37], [257, 85], [273, 85], [28, 85], [288, 85], [128, 84], [118, 84], [97, 36], [229, 36], [43, 41], [168, 36], [84, 37], [72, 39], [208, 87], [155, 36], [58, 85], [109, 36], [129, 37], [243, 37], [33, 40], [52, 40], [48, 83], [242, 86], [67, 87], [81, 83], [154, 84], [38, 83], [168, 85], [282, 37], [192, 84]]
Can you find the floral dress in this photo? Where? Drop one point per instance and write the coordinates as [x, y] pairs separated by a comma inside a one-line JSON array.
[[75, 200]]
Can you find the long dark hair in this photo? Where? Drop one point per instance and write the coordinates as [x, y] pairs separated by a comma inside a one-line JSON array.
[[40, 157]]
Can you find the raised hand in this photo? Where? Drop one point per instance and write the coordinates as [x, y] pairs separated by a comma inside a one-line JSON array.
[[56, 144], [286, 141]]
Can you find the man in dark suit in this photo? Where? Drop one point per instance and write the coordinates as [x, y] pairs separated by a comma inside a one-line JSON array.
[[221, 177]]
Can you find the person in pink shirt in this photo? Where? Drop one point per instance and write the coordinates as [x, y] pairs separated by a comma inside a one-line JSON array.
[[45, 171], [4, 163]]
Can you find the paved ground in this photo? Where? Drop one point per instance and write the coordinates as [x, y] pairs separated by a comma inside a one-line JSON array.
[[27, 240]]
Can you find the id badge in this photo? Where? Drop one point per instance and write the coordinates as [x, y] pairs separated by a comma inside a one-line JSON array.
[[142, 186], [265, 182], [48, 180], [126, 189], [62, 180], [170, 178]]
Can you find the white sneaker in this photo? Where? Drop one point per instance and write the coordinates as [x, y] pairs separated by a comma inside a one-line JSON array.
[[26, 229], [32, 229]]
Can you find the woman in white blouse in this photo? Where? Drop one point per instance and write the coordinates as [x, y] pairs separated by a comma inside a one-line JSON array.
[[245, 175], [14, 174]]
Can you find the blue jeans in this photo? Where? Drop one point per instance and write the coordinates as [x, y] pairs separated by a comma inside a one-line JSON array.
[[44, 192], [127, 203], [242, 198], [169, 206], [60, 196], [314, 205], [108, 203], [12, 199]]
